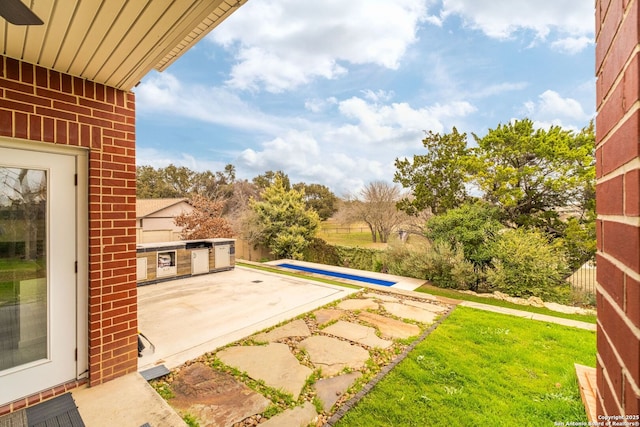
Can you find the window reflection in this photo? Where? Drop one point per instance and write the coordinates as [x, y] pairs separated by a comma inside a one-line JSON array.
[[23, 278]]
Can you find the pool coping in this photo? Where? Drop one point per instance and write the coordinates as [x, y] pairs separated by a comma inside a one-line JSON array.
[[403, 283]]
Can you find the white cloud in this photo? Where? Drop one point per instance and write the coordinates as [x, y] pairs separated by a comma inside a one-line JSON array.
[[317, 105], [378, 95], [552, 109], [356, 148], [572, 20], [159, 159], [572, 44], [381, 122], [292, 42], [164, 93], [497, 89]]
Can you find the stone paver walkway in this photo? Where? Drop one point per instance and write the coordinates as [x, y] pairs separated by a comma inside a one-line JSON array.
[[273, 363], [334, 342]]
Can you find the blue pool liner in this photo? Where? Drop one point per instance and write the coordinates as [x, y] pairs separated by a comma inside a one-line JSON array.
[[339, 275]]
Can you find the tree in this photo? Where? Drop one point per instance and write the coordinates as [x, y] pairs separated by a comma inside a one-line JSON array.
[[151, 183], [437, 178], [237, 207], [205, 221], [376, 206], [474, 226], [530, 173], [268, 178], [215, 186], [319, 198], [283, 223], [180, 181]]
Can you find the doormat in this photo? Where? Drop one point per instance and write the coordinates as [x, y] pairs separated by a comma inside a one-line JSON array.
[[155, 372], [60, 411]]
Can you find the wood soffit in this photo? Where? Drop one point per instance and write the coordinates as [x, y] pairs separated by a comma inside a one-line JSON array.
[[113, 42]]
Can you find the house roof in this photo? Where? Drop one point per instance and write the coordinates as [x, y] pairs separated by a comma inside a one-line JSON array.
[[146, 207], [113, 42]]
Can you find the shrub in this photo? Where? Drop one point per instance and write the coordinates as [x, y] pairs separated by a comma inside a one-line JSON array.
[[472, 225], [448, 268], [321, 252], [526, 264], [439, 263], [401, 261], [359, 258]]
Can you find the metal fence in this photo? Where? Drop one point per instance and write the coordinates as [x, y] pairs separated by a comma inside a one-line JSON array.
[[584, 279], [344, 230]]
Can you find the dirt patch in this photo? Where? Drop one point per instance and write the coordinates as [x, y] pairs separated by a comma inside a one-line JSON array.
[[214, 396]]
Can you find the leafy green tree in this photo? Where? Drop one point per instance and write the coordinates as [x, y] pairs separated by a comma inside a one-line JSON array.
[[151, 183], [437, 178], [530, 173], [319, 198], [268, 178], [283, 222], [472, 225]]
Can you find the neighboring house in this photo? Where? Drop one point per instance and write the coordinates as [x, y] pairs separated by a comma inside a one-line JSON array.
[[155, 219], [68, 296]]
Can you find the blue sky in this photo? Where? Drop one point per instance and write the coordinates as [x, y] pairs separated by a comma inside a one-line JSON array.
[[332, 92]]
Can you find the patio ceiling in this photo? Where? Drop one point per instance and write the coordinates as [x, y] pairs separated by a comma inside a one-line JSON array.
[[114, 42]]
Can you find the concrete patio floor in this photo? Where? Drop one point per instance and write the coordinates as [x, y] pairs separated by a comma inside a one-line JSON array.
[[189, 317]]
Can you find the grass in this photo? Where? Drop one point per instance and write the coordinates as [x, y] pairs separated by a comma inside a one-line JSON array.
[[353, 235], [481, 368], [353, 239], [450, 293]]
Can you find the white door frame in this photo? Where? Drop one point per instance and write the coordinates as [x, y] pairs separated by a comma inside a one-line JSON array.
[[81, 244]]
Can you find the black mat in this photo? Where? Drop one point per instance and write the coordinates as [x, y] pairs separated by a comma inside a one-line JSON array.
[[155, 372], [60, 411]]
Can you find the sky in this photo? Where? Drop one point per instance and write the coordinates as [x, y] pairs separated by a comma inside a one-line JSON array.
[[333, 92]]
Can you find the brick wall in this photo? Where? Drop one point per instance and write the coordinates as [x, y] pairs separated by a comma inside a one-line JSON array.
[[618, 206], [46, 106]]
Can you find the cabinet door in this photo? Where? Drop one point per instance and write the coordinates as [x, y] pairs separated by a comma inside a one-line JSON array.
[[199, 261], [223, 256]]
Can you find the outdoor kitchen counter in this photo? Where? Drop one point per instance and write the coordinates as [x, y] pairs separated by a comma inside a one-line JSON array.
[[162, 261]]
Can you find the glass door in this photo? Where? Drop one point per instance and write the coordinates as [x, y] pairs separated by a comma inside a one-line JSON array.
[[38, 283]]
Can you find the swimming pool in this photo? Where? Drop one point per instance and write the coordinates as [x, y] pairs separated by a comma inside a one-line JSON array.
[[337, 274]]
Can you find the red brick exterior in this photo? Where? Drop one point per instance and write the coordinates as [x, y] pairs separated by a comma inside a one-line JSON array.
[[618, 206], [42, 105]]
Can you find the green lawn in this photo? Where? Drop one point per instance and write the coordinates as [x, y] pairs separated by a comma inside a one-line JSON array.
[[13, 270], [450, 293], [483, 369]]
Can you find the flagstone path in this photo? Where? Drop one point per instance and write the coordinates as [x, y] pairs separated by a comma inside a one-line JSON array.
[[335, 342]]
